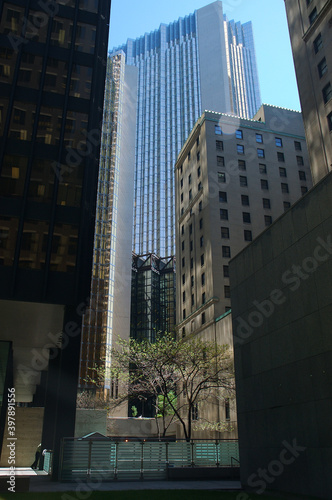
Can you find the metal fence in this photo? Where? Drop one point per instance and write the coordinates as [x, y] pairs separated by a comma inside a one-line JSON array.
[[109, 460]]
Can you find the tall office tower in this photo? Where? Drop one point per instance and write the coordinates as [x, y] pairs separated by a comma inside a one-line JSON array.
[[196, 63], [109, 307], [234, 177], [52, 78], [310, 32]]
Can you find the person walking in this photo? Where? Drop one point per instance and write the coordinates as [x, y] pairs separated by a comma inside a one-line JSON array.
[[37, 457]]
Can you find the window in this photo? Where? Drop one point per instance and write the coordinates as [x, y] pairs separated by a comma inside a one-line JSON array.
[[183, 296], [327, 93], [246, 217], [223, 214], [203, 318], [221, 177], [281, 156], [282, 172], [225, 232], [198, 156], [217, 130], [286, 205], [227, 291], [183, 332], [226, 252], [242, 164], [200, 223], [190, 229], [259, 138], [181, 183], [182, 211], [222, 197], [184, 314], [191, 263], [181, 197], [329, 121], [182, 230], [243, 181], [245, 200], [197, 141], [284, 188], [192, 300], [268, 220], [219, 146], [266, 203], [183, 261], [247, 235], [183, 279], [190, 194], [203, 279], [313, 15], [226, 271], [181, 169], [227, 410], [264, 184], [199, 187], [202, 260], [189, 179], [302, 175], [260, 153], [200, 206], [308, 2], [262, 168], [183, 245], [191, 246], [203, 298], [192, 281], [297, 146], [189, 156], [220, 161], [201, 241], [199, 172], [299, 160], [322, 68], [318, 43], [240, 149], [304, 190], [239, 134]]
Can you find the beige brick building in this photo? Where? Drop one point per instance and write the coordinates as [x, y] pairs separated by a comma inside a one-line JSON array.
[[309, 24], [234, 177]]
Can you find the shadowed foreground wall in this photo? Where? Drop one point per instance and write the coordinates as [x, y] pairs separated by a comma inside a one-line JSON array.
[[281, 288]]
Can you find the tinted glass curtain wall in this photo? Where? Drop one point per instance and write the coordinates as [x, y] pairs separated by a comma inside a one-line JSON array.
[[51, 68], [52, 79]]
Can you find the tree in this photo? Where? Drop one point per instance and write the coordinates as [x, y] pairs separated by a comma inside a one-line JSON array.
[[177, 374]]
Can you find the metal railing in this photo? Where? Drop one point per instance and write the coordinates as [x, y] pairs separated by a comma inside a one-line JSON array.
[[106, 459], [48, 460]]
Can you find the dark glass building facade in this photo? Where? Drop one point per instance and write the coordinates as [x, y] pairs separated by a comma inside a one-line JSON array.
[[52, 76], [152, 296]]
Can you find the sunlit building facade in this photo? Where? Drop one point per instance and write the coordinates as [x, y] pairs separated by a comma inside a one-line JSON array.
[[201, 61], [109, 307]]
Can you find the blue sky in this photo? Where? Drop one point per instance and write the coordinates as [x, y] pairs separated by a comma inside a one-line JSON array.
[[132, 18]]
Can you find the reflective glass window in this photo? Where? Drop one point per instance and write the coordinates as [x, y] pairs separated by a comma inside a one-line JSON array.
[[13, 175], [8, 236]]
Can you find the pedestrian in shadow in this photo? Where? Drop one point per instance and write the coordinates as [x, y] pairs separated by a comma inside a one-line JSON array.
[[37, 457]]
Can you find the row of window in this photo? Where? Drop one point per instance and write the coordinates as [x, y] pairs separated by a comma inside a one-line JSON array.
[[259, 139], [246, 216], [262, 170], [322, 69], [264, 185]]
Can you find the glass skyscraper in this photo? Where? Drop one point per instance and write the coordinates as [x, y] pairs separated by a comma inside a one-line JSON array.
[[201, 61]]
